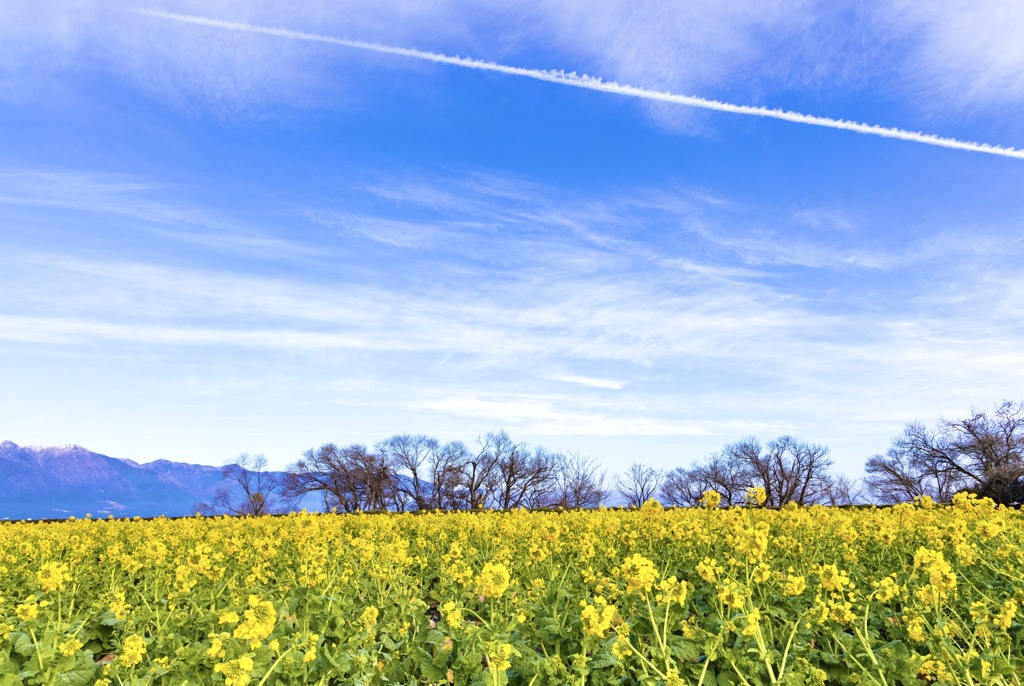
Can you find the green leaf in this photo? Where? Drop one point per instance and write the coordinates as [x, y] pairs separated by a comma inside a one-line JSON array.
[[434, 637], [109, 619], [23, 644], [727, 679], [82, 674], [434, 673], [602, 659], [686, 650]]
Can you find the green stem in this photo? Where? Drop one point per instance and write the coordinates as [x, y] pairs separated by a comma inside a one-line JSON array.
[[654, 623], [707, 662], [278, 660], [789, 644], [39, 656], [764, 653], [738, 672], [645, 660]]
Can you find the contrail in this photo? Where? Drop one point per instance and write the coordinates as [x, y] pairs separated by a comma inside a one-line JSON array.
[[598, 84]]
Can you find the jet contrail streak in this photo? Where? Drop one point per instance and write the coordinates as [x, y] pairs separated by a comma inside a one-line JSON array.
[[598, 84]]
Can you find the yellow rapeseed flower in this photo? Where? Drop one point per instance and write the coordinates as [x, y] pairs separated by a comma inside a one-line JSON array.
[[933, 670], [28, 610], [216, 649], [709, 569], [499, 656], [259, 622], [452, 615], [228, 618], [53, 575], [915, 629], [755, 495], [886, 589], [753, 619], [732, 594], [638, 572], [493, 580], [236, 672], [369, 617], [132, 650], [1007, 612], [711, 498], [597, 618], [794, 585], [70, 646]]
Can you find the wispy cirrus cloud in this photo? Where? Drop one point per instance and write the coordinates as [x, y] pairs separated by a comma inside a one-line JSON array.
[[943, 57], [28, 194], [964, 55], [591, 381], [584, 81], [549, 312]]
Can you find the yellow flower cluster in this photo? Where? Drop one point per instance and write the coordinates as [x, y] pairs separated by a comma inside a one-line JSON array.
[[493, 580], [887, 589], [132, 651], [751, 542], [236, 672], [794, 585], [28, 610], [53, 575], [940, 573], [711, 498], [452, 615], [259, 621], [671, 590], [638, 572], [70, 646], [1007, 612], [655, 595], [597, 618], [369, 617], [755, 495]]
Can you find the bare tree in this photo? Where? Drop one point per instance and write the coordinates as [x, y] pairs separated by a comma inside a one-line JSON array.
[[248, 487], [446, 472], [902, 475], [788, 470], [203, 508], [521, 476], [678, 488], [982, 452], [638, 484], [577, 482], [844, 490], [715, 472], [349, 479], [410, 459], [477, 477]]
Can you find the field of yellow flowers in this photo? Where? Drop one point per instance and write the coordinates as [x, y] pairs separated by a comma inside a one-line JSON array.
[[912, 594]]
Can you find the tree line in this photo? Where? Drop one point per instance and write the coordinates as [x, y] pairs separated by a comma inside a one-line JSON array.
[[982, 453]]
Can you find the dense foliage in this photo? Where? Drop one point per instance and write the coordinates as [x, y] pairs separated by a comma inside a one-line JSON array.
[[905, 595]]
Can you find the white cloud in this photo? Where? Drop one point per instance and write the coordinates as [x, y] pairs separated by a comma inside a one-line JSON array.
[[127, 200], [591, 381], [596, 83], [949, 52], [556, 415], [966, 54], [560, 314]]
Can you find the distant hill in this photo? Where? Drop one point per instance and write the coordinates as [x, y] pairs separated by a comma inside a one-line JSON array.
[[69, 480]]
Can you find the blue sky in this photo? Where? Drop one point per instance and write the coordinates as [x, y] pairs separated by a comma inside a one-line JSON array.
[[216, 241]]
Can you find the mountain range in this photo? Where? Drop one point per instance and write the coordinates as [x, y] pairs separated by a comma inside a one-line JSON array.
[[63, 481]]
